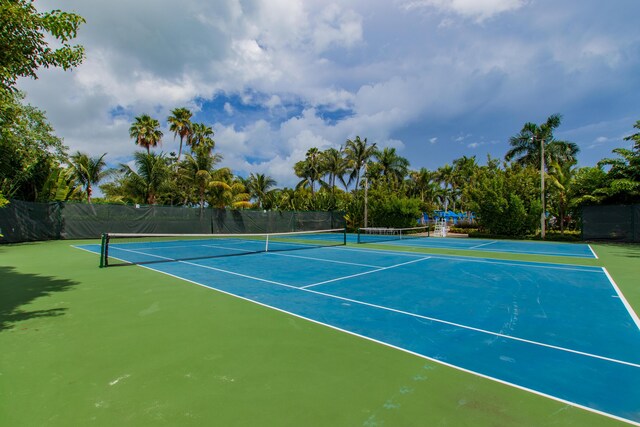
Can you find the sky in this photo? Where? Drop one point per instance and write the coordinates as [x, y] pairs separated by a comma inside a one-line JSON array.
[[435, 79]]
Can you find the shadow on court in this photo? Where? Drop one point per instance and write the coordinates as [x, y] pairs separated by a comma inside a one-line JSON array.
[[17, 290]]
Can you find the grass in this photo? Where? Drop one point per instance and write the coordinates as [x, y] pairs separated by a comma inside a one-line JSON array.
[[131, 347]]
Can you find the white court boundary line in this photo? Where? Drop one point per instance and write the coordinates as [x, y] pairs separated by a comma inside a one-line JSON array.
[[422, 356], [484, 244], [632, 313], [592, 251], [419, 244], [512, 263], [526, 264]]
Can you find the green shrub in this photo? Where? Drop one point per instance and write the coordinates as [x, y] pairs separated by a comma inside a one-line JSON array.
[[389, 210]]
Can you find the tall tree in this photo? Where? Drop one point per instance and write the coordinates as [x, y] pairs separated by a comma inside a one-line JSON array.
[[527, 145], [334, 165], [623, 176], [25, 34], [445, 175], [358, 154], [464, 169], [259, 186], [227, 190], [198, 170], [560, 179], [180, 125], [29, 149], [145, 130], [88, 171], [424, 184], [309, 169], [201, 138], [506, 200], [392, 166], [587, 186], [635, 137], [150, 175], [60, 186], [536, 146]]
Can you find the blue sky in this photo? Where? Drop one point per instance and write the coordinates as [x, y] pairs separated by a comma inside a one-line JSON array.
[[436, 79]]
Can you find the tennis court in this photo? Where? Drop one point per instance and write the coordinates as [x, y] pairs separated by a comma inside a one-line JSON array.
[[562, 331]]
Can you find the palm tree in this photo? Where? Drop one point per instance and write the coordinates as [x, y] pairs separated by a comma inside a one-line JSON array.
[[60, 186], [88, 171], [561, 151], [535, 145], [201, 137], [560, 178], [392, 166], [198, 171], [240, 197], [309, 169], [220, 195], [464, 169], [445, 176], [227, 190], [358, 153], [259, 186], [534, 139], [424, 183], [623, 177], [145, 130], [151, 174], [180, 124], [334, 165]]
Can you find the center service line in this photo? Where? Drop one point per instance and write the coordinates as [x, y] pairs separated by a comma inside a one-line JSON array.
[[362, 274]]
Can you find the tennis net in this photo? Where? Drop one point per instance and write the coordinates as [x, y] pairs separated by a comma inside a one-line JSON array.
[[380, 234], [128, 249]]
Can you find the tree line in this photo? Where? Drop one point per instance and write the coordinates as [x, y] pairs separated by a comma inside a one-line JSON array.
[[538, 173], [505, 194]]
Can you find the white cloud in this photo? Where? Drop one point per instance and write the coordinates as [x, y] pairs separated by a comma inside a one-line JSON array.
[[335, 26], [397, 76], [476, 9], [273, 102], [392, 143], [462, 137]]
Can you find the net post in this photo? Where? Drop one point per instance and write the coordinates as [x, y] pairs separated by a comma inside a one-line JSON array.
[[358, 235], [345, 236], [103, 250], [266, 247]]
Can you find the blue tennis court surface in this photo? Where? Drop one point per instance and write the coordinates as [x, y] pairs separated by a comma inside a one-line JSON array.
[[578, 250], [562, 331]]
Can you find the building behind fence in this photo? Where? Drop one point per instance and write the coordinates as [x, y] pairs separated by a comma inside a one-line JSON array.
[[617, 223], [30, 221]]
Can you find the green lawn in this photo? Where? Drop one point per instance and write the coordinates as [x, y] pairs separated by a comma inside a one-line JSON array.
[[127, 346]]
